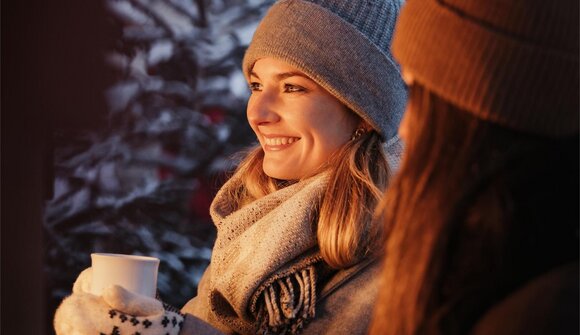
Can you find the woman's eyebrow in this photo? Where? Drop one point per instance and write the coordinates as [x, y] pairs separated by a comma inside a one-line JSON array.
[[253, 74], [284, 75]]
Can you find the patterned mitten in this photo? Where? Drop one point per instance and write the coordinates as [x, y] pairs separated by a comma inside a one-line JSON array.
[[116, 312]]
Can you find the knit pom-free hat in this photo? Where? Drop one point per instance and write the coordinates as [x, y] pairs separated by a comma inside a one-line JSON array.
[[514, 62], [344, 46]]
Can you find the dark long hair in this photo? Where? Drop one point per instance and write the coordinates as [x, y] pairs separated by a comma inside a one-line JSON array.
[[476, 210]]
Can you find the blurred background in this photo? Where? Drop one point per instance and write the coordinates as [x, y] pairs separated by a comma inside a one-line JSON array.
[[134, 115]]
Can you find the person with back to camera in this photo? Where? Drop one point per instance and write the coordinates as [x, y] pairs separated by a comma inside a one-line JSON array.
[[297, 245], [483, 215]]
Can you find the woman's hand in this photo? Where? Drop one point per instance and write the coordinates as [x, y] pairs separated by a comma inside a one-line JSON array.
[[116, 312]]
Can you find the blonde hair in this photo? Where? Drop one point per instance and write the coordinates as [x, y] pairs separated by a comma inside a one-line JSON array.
[[346, 229]]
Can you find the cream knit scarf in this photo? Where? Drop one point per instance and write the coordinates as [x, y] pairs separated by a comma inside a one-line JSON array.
[[263, 277]]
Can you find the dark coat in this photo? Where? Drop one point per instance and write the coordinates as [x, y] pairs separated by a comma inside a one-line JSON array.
[[547, 304]]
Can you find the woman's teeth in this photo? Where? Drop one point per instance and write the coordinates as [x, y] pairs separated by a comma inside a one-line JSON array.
[[280, 140]]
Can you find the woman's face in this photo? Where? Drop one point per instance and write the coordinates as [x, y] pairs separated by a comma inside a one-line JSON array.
[[298, 123]]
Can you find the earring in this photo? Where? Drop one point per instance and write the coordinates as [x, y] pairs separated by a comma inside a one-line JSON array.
[[358, 133]]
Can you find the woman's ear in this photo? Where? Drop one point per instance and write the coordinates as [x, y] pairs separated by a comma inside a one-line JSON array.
[[361, 128], [364, 125]]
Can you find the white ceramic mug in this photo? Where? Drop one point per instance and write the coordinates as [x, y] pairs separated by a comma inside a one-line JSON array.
[[137, 274]]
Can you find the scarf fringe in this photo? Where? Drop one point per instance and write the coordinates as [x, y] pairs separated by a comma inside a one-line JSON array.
[[288, 303]]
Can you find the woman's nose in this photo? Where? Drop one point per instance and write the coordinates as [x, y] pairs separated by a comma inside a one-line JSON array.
[[262, 108]]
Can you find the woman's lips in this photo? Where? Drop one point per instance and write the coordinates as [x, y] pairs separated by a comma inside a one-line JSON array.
[[275, 143]]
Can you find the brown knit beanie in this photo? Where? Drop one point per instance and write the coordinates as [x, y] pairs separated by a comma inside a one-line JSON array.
[[344, 46], [514, 63]]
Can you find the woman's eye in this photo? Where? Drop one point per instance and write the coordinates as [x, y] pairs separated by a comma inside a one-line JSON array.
[[289, 88], [255, 87]]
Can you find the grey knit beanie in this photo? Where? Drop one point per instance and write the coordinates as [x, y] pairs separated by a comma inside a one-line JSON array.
[[514, 63], [344, 46]]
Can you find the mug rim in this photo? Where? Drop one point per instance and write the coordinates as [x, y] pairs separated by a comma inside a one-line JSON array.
[[126, 256]]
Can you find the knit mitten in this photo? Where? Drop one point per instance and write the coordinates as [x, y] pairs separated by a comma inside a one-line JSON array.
[[116, 312]]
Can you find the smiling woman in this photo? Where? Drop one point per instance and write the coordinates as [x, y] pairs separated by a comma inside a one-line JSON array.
[[297, 244], [298, 123]]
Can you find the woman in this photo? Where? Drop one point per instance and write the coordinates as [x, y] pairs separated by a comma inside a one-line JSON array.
[[297, 243], [483, 216]]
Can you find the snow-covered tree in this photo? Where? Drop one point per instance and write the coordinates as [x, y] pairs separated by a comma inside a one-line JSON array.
[[176, 118]]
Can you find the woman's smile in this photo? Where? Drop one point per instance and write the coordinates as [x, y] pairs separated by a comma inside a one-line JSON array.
[[276, 143]]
